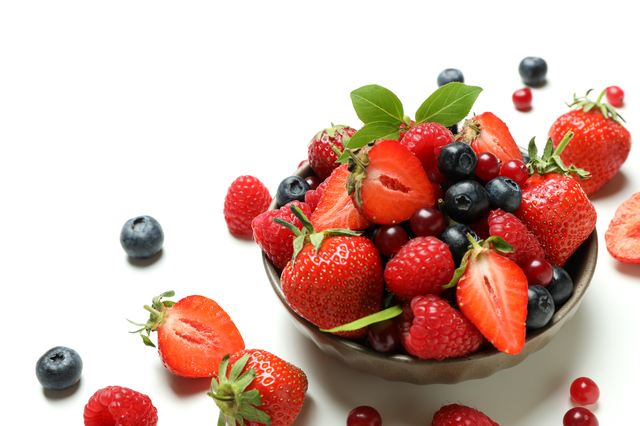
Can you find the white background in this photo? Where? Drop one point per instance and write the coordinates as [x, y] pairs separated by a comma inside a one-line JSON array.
[[109, 110]]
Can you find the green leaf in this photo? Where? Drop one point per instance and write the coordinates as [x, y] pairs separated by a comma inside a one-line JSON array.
[[385, 314], [147, 341], [375, 103], [500, 245], [370, 133], [448, 105]]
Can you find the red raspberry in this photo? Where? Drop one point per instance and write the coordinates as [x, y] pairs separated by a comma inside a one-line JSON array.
[[246, 198], [322, 158], [431, 329], [118, 406], [420, 267], [460, 415], [312, 197], [274, 239], [426, 141], [512, 230]]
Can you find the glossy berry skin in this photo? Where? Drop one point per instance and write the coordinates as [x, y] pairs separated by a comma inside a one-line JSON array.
[[522, 99], [141, 237], [59, 368], [364, 415], [119, 406], [291, 188], [533, 71], [313, 181], [466, 201], [516, 170], [504, 193], [560, 287], [615, 96], [584, 391], [540, 307], [426, 140], [450, 75], [390, 238], [322, 157], [579, 416], [513, 231], [457, 161], [384, 336], [538, 271], [460, 415], [488, 166], [455, 236], [427, 221], [246, 198]]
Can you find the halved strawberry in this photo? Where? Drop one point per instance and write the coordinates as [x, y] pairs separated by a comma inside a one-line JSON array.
[[335, 208], [388, 183], [623, 233], [193, 334], [487, 132]]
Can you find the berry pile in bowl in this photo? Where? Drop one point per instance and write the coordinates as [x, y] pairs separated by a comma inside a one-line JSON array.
[[419, 253]]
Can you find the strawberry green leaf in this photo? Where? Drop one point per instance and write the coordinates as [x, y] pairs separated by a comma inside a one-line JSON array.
[[448, 105], [385, 314], [369, 133], [375, 103], [499, 244]]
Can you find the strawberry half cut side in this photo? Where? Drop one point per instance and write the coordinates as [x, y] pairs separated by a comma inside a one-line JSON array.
[[622, 237]]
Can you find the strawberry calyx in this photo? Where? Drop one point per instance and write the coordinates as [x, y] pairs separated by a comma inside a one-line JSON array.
[[332, 131], [158, 311], [236, 404], [584, 103], [550, 162], [470, 131], [357, 166]]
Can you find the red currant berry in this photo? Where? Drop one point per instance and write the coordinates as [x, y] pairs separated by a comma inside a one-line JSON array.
[[537, 271], [364, 416], [390, 238], [522, 99], [488, 166], [313, 181], [384, 336], [615, 96], [584, 391], [579, 416], [427, 222], [515, 170]]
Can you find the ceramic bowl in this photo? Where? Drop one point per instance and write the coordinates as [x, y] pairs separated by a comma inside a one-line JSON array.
[[410, 369]]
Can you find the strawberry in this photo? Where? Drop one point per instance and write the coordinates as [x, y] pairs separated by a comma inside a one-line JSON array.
[[486, 132], [554, 207], [193, 334], [426, 141], [460, 415], [246, 198], [322, 149], [508, 227], [333, 278], [387, 182], [600, 144], [622, 237], [119, 406], [492, 292], [335, 208], [258, 389]]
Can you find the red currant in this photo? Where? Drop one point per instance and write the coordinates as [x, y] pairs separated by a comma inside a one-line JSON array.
[[384, 336], [615, 96], [579, 416], [522, 99], [515, 170], [390, 238], [364, 416], [313, 181], [426, 222], [488, 166], [537, 271], [584, 391]]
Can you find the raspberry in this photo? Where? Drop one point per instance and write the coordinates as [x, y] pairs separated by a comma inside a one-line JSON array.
[[312, 197], [426, 141], [512, 230], [322, 157], [274, 239], [118, 406], [431, 329], [246, 198], [460, 415], [420, 267]]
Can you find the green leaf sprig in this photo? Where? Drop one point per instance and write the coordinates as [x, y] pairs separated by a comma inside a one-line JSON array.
[[550, 162]]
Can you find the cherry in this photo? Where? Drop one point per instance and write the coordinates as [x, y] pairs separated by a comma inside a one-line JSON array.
[[390, 238], [515, 170], [579, 416], [364, 415], [384, 336], [488, 166], [313, 181], [584, 391], [522, 99], [426, 222], [538, 271], [615, 96]]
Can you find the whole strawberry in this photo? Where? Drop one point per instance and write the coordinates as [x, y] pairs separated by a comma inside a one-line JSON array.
[[246, 198], [119, 406], [600, 144], [255, 388], [322, 154], [333, 278], [488, 133], [461, 415]]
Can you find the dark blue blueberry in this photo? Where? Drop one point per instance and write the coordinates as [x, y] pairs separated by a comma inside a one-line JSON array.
[[540, 307], [466, 201], [504, 193], [457, 161], [291, 188], [453, 129], [59, 368], [449, 75], [533, 71], [456, 237], [560, 287], [525, 158], [142, 237]]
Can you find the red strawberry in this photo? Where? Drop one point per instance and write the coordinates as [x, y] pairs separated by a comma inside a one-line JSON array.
[[622, 237], [426, 141], [431, 329], [508, 227], [274, 239], [388, 183], [492, 293], [322, 157], [600, 144], [335, 208], [422, 266], [486, 132], [260, 388], [193, 334], [246, 198], [118, 406], [461, 415]]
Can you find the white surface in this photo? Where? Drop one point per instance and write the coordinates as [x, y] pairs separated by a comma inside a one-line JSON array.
[[110, 110]]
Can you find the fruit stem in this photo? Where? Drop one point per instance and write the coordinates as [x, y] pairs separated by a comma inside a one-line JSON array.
[[153, 311], [565, 141], [601, 95]]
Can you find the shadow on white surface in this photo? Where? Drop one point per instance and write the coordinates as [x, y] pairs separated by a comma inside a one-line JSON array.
[[618, 183], [54, 395], [146, 262]]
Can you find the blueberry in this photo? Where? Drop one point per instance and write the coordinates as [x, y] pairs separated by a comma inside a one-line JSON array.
[[504, 194], [540, 307], [560, 287], [291, 188], [455, 236], [466, 201], [533, 70], [449, 75], [457, 161], [141, 237], [59, 368]]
